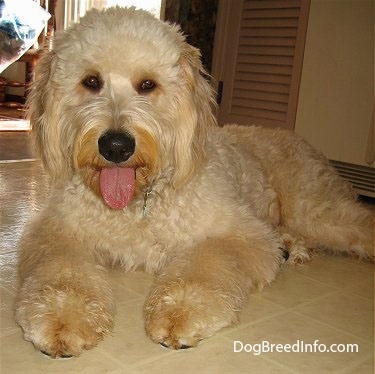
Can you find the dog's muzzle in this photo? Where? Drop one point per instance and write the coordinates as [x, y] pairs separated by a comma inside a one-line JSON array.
[[116, 146]]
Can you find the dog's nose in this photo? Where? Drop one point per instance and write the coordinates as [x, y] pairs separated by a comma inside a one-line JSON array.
[[116, 146]]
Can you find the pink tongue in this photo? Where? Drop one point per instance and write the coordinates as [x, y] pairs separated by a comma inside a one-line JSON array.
[[117, 186]]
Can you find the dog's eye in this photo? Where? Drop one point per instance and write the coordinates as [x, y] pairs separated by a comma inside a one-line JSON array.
[[92, 82], [147, 86]]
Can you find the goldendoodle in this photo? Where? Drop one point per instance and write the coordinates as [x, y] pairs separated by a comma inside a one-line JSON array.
[[142, 177]]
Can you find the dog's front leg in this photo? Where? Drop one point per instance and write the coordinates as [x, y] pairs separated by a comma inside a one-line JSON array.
[[65, 304], [201, 292]]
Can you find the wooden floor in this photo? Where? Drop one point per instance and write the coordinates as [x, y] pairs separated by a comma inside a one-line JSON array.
[[17, 113], [14, 135], [15, 145]]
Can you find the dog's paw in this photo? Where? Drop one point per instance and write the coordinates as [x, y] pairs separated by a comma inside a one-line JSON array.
[[179, 316], [62, 323], [298, 253], [175, 328]]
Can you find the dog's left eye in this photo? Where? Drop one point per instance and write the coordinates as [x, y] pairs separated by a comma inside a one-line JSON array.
[[92, 82], [147, 86]]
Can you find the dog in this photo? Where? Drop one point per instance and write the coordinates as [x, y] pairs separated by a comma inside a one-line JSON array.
[[143, 178]]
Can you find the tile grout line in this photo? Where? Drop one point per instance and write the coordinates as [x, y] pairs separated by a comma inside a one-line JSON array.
[[324, 283], [345, 288], [281, 366], [240, 327], [334, 328]]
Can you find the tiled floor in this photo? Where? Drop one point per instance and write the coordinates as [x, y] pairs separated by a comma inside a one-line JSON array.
[[330, 301]]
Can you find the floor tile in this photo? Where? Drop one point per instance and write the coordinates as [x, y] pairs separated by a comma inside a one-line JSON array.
[[290, 289], [8, 270], [137, 282], [129, 343], [337, 271], [19, 356], [350, 313], [293, 329], [7, 323], [364, 288], [258, 308], [366, 367], [211, 357]]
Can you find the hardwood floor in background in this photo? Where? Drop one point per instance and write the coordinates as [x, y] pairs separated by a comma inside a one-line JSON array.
[[15, 145]]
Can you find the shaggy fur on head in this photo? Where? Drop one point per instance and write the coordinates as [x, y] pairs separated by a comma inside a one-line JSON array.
[[141, 177]]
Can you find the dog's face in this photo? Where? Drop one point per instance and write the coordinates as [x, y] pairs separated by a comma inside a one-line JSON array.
[[121, 101]]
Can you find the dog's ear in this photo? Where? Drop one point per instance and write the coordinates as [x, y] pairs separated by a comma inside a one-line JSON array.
[[197, 116], [198, 81], [42, 112]]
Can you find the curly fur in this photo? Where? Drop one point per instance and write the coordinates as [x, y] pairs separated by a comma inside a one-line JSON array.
[[212, 209]]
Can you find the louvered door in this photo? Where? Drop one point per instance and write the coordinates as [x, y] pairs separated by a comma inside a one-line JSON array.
[[260, 67]]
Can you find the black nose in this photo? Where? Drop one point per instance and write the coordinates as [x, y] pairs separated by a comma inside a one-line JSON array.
[[116, 146]]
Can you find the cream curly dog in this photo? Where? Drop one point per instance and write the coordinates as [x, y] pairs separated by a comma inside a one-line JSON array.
[[142, 177]]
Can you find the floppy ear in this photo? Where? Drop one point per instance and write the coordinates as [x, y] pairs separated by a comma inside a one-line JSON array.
[[196, 114], [201, 89], [42, 111]]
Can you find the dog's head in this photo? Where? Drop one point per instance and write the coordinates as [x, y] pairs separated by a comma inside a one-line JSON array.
[[121, 100]]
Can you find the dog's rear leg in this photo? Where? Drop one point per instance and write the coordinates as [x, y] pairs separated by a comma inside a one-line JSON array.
[[343, 225], [64, 304], [200, 293]]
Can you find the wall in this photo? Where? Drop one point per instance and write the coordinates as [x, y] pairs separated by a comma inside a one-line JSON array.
[[337, 88]]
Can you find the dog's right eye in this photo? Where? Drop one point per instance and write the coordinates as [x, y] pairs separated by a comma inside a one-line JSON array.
[[92, 82], [146, 86]]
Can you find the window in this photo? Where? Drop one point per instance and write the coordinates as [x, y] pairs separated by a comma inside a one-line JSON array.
[[72, 10]]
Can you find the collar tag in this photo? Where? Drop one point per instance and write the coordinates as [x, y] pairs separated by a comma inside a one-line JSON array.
[[145, 208]]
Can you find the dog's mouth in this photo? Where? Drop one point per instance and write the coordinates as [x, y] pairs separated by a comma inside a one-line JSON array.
[[114, 168], [117, 186]]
